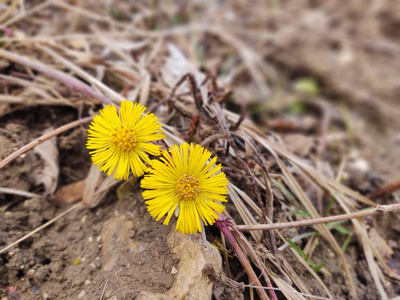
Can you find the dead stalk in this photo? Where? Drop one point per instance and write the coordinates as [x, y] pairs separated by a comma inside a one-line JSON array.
[[380, 209]]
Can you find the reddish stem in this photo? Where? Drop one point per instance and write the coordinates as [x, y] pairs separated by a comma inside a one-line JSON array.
[[224, 224]]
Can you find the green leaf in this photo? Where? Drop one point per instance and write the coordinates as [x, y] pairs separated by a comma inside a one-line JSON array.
[[346, 243], [297, 108], [124, 189], [307, 86], [299, 213], [343, 230], [317, 268], [284, 190], [297, 238], [298, 249]]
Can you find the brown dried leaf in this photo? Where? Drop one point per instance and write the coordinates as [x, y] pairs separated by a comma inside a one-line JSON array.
[[48, 175], [71, 193]]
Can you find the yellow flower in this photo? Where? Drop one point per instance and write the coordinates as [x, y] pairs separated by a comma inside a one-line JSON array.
[[122, 142], [183, 182]]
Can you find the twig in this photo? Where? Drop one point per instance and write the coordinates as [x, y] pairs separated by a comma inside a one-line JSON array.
[[380, 209], [386, 189], [41, 139], [41, 227]]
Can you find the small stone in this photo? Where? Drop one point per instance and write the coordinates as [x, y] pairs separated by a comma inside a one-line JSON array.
[[151, 296], [115, 237], [107, 294], [174, 271], [45, 296], [78, 282], [81, 295], [90, 239], [87, 282]]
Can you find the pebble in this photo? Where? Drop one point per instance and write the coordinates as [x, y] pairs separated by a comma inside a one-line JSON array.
[[87, 282], [78, 282], [81, 295], [174, 271], [90, 239], [83, 220]]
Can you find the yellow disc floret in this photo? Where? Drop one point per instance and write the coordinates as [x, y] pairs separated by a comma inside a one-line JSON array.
[[187, 187], [124, 139]]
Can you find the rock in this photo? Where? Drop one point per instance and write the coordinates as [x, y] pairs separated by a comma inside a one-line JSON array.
[[193, 257], [151, 296], [115, 232]]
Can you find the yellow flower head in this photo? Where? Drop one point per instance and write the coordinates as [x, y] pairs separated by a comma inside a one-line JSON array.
[[122, 142], [185, 183]]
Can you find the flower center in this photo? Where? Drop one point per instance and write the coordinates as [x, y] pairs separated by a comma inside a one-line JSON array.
[[187, 187], [124, 139]]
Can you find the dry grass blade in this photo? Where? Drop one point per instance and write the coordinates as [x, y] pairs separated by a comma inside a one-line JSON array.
[[60, 76], [79, 71], [334, 188], [248, 218], [24, 14], [297, 190], [17, 192], [245, 214]]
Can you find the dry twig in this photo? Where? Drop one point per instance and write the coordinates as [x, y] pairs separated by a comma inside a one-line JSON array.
[[380, 209]]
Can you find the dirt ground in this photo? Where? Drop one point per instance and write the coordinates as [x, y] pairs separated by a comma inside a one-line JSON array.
[[349, 110], [117, 243]]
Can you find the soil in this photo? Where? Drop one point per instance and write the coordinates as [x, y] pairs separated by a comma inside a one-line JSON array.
[[85, 252]]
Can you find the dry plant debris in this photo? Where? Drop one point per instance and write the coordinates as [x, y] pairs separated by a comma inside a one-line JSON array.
[[200, 68]]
